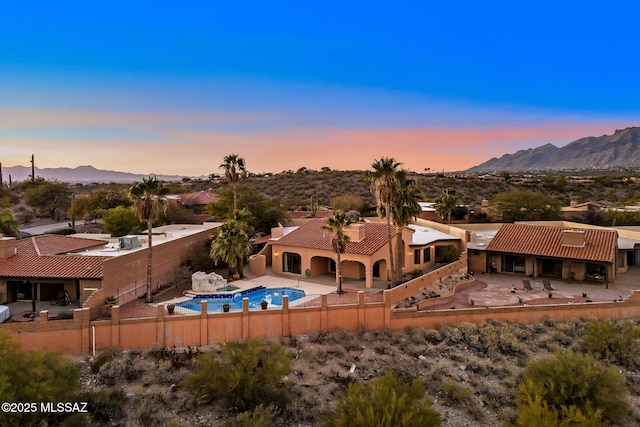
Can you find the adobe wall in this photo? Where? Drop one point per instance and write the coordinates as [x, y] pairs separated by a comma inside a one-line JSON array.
[[80, 335]]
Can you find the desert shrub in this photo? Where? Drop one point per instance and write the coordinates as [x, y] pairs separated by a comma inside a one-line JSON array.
[[101, 359], [448, 254], [258, 417], [613, 342], [456, 393], [570, 386], [119, 369], [106, 405], [383, 401], [245, 374], [35, 376], [177, 358]]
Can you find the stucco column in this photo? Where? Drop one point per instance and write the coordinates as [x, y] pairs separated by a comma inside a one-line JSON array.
[[368, 276]]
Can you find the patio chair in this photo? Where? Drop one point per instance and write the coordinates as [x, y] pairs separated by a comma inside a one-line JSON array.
[[547, 285], [527, 285]]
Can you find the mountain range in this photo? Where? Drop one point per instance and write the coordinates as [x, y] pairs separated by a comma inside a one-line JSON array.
[[80, 174], [622, 149]]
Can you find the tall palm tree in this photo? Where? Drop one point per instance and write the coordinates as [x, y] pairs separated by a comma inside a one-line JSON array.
[[148, 200], [403, 211], [234, 170], [336, 225], [230, 244], [383, 185], [446, 203]]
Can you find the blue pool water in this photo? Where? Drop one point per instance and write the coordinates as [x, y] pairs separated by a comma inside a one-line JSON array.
[[256, 295]]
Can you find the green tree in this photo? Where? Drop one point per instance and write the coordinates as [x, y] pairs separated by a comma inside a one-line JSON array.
[[120, 221], [446, 203], [35, 376], [48, 196], [403, 211], [234, 170], [349, 202], [245, 375], [230, 245], [383, 186], [265, 213], [384, 401], [570, 386], [148, 199], [336, 225], [524, 205], [8, 224], [177, 214]]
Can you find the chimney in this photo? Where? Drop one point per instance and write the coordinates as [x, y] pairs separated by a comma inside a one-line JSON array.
[[573, 204], [8, 247], [356, 232], [485, 203], [573, 238]]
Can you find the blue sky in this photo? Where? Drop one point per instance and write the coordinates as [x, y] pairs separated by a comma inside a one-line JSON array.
[[291, 84]]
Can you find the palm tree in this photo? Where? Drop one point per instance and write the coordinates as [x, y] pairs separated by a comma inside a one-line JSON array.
[[383, 185], [336, 225], [234, 171], [446, 203], [242, 219], [230, 244], [403, 211], [148, 200]]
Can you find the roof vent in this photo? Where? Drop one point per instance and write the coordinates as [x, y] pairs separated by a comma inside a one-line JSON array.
[[129, 242], [573, 238]]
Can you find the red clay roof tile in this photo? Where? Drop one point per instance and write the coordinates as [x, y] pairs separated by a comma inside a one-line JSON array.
[[311, 235], [546, 241], [43, 257]]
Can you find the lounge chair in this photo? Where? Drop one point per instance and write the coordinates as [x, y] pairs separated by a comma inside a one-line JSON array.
[[527, 285], [547, 285]]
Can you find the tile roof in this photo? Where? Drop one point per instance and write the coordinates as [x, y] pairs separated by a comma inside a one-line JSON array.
[[198, 198], [546, 241], [44, 257], [311, 235]]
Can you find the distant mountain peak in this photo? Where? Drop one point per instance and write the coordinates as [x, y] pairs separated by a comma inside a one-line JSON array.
[[618, 150], [79, 174]]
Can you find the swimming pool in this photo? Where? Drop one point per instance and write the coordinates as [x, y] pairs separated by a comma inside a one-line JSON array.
[[256, 295]]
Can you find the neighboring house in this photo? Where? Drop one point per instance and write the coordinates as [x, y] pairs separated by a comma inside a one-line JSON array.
[[89, 270], [564, 252], [196, 201], [306, 251], [579, 211]]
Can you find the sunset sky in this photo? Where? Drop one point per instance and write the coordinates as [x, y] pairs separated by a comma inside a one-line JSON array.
[[171, 88]]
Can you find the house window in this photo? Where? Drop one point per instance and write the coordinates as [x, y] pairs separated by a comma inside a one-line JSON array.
[[291, 263], [416, 256], [513, 264], [426, 254]]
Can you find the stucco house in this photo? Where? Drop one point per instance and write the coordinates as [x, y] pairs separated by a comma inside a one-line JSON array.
[[90, 269], [305, 251], [560, 251]]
